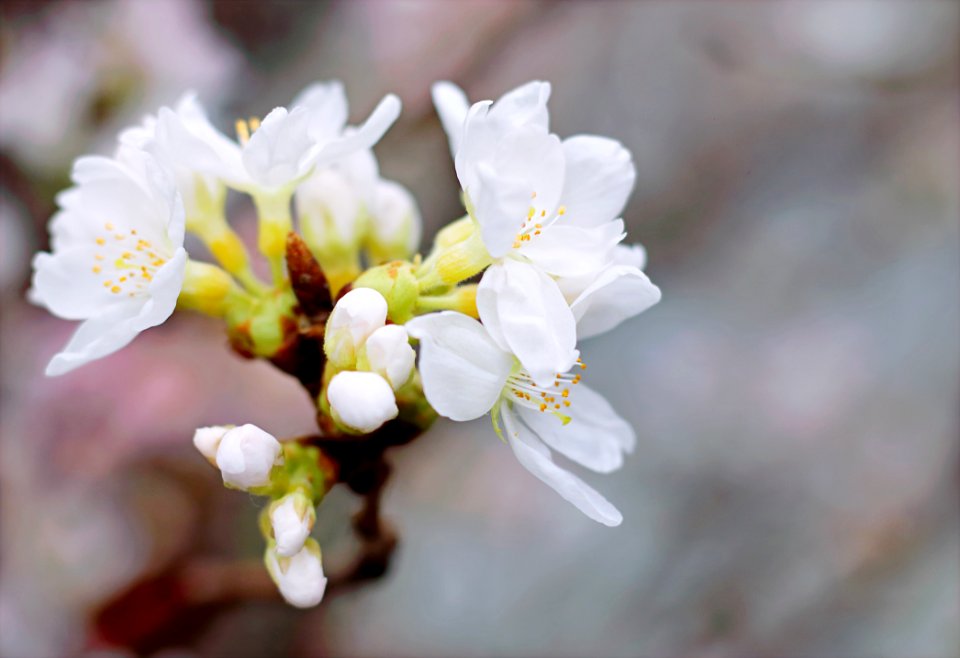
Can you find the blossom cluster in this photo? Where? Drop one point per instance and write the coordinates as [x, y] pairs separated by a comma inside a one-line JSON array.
[[487, 322]]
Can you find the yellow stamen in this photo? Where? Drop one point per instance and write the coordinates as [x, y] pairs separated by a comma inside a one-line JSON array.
[[243, 131]]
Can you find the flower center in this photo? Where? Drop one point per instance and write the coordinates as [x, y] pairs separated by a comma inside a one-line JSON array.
[[245, 128], [126, 262], [533, 225], [550, 399]]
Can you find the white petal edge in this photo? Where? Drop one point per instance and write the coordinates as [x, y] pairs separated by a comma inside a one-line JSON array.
[[528, 312], [534, 456], [599, 179], [596, 436], [452, 106], [462, 368], [618, 293]]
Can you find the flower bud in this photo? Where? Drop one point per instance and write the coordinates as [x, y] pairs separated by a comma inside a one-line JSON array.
[[395, 223], [292, 518], [207, 440], [356, 316], [299, 578], [361, 401], [333, 223], [205, 288], [398, 285], [246, 456], [388, 353], [329, 208]]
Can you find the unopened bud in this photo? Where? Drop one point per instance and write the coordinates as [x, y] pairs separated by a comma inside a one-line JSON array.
[[207, 440], [329, 208], [356, 316], [395, 223], [398, 285], [299, 578], [205, 288], [292, 518], [333, 223], [361, 401], [246, 456], [388, 353]]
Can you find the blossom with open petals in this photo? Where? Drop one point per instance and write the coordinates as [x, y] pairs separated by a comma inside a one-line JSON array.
[[467, 374], [547, 210], [281, 150], [117, 259]]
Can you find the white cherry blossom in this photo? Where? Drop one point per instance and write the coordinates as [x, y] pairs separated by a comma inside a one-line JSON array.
[[273, 155], [117, 260], [547, 210], [467, 374]]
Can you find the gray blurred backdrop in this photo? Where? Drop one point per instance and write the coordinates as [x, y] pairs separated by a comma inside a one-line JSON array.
[[795, 394]]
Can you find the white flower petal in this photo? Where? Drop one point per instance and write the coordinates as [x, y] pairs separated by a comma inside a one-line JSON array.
[[115, 326], [524, 309], [535, 457], [390, 355], [277, 151], [363, 137], [462, 368], [478, 142], [360, 311], [523, 178], [566, 250], [64, 283], [634, 255], [361, 401], [326, 103], [246, 456], [525, 105], [291, 519], [619, 292], [95, 338], [595, 437], [186, 136], [498, 202], [452, 106], [363, 172], [599, 178], [395, 222], [207, 439], [299, 578], [327, 203]]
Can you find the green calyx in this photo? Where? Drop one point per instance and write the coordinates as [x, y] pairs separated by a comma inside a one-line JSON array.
[[259, 326], [398, 285]]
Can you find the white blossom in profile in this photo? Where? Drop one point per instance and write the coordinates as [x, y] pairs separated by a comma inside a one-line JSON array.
[[117, 261]]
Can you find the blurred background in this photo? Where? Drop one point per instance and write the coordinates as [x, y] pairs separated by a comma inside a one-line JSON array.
[[795, 394]]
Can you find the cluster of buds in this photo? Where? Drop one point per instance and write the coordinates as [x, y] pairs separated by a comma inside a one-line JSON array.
[[383, 338], [252, 460]]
